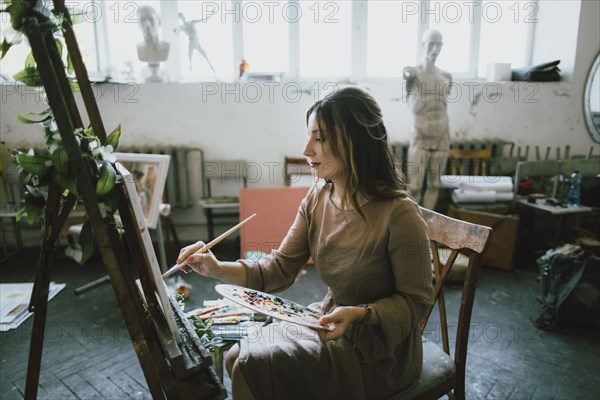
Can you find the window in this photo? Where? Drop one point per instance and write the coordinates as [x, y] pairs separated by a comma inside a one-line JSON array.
[[476, 33], [14, 61], [325, 27], [119, 24], [391, 38], [302, 39], [85, 32], [210, 33], [452, 20], [266, 37], [84, 27], [504, 33]]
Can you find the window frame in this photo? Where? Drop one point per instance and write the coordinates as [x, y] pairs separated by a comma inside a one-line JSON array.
[[358, 47]]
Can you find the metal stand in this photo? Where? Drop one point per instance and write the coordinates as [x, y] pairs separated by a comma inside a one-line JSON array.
[[92, 285]]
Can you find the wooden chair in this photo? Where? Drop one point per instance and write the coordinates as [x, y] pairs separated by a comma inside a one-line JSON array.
[[222, 181], [295, 167], [443, 373], [544, 175], [476, 161]]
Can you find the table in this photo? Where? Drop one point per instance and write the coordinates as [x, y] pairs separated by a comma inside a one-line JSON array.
[[530, 212], [540, 205]]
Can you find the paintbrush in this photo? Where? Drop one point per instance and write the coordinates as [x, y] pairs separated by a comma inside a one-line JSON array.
[[207, 247]]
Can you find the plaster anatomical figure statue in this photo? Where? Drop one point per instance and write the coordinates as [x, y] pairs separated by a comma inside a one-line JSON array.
[[189, 28], [427, 89]]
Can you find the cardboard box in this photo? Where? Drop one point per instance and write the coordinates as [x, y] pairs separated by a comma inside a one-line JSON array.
[[501, 248]]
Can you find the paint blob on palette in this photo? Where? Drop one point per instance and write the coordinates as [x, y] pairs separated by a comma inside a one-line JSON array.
[[271, 305]]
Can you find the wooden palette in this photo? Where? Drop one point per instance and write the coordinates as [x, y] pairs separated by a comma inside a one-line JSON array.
[[271, 305]]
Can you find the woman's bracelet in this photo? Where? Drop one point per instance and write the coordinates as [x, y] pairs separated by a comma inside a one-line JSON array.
[[367, 316]]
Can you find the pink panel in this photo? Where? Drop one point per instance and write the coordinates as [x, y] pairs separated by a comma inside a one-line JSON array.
[[276, 209]]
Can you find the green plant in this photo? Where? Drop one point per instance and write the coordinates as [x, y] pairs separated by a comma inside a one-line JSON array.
[[201, 327], [41, 168]]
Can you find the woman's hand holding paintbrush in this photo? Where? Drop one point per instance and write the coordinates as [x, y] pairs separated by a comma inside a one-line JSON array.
[[199, 257]]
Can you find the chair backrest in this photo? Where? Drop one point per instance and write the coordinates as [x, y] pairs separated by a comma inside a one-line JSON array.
[[475, 161], [469, 239], [586, 166], [295, 167], [226, 176], [545, 175]]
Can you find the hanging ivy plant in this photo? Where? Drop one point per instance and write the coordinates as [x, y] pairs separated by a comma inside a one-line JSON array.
[[40, 168]]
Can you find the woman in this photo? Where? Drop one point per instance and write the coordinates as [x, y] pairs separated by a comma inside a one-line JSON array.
[[369, 244]]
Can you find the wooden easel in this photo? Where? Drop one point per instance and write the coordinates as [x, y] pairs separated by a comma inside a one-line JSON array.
[[172, 370]]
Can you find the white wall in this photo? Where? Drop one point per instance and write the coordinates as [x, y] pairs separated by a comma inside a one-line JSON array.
[[237, 122]]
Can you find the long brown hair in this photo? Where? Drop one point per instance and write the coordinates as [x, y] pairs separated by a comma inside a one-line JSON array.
[[354, 123]]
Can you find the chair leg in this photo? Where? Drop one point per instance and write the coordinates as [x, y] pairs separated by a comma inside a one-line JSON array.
[[174, 233], [18, 237], [16, 230], [459, 390], [170, 231], [209, 223]]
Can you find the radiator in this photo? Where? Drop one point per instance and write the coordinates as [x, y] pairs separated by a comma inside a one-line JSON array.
[[503, 162], [184, 180]]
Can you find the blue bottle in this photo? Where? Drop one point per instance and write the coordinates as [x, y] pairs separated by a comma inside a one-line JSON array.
[[574, 194]]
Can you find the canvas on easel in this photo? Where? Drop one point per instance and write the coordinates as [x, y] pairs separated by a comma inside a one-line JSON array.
[[129, 182]]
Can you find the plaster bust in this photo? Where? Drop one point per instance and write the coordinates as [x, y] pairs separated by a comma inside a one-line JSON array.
[[152, 49]]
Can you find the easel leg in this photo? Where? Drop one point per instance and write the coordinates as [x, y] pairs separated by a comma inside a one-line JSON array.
[[39, 306]]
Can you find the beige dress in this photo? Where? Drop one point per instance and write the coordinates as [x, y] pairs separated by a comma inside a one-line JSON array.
[[384, 261]]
